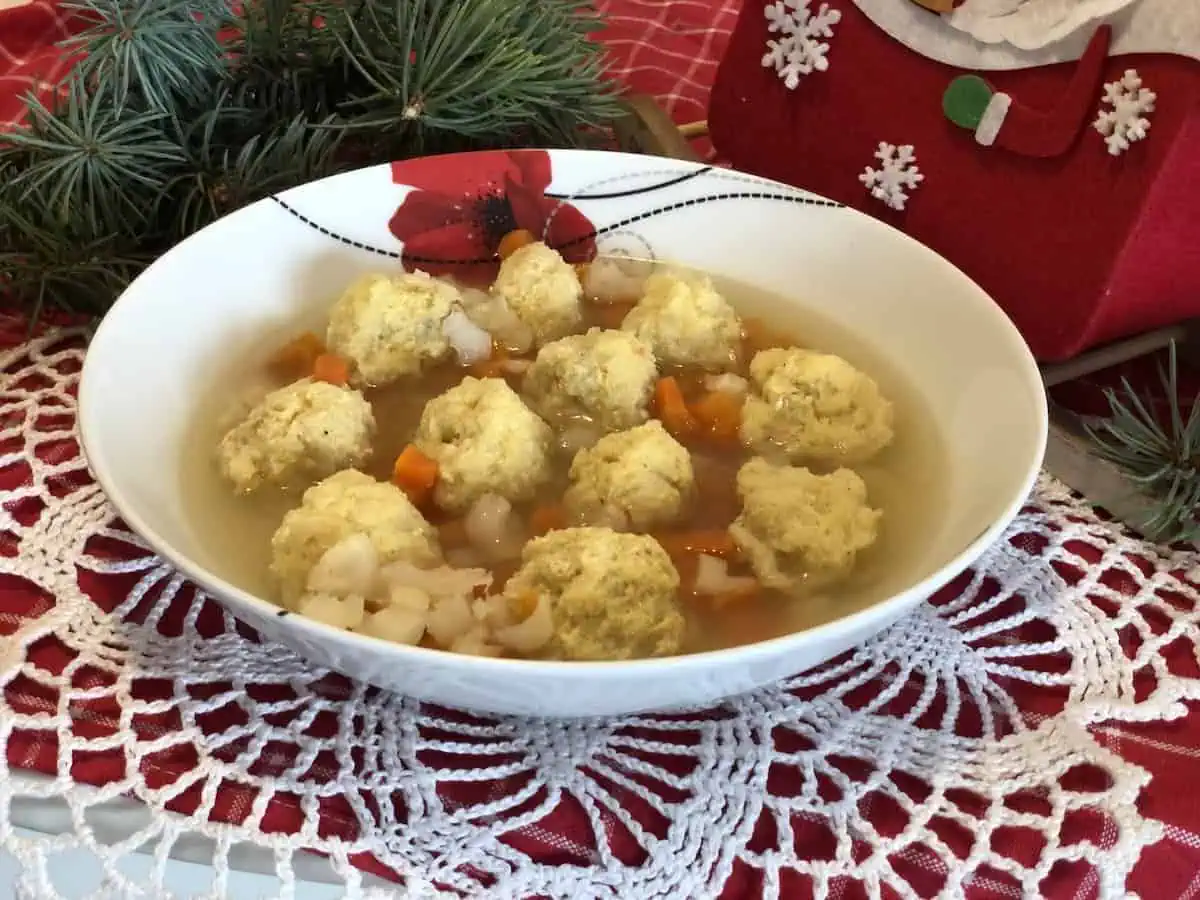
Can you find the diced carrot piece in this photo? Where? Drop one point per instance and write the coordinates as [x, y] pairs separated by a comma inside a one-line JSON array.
[[331, 368], [714, 542], [514, 241], [297, 357], [521, 606], [415, 474], [672, 409], [453, 534], [719, 413], [610, 315], [547, 518]]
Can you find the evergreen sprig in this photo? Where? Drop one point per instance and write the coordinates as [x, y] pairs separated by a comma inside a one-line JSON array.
[[176, 114], [1161, 457]]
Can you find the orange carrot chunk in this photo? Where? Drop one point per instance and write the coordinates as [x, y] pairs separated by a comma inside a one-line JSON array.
[[714, 542], [297, 357], [547, 518], [514, 241], [331, 368], [672, 408], [719, 413], [415, 474]]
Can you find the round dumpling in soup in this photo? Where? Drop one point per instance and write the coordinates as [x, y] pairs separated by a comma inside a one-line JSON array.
[[296, 435], [612, 595], [485, 441], [606, 377], [346, 504], [542, 289], [798, 529], [639, 478], [814, 407], [390, 326], [686, 321]]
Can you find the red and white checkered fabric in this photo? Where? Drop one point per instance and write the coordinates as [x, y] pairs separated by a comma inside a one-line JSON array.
[[150, 743]]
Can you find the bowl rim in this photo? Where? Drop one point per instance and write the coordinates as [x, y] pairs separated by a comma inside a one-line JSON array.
[[89, 406]]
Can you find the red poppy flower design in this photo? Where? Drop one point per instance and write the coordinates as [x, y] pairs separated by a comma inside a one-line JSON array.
[[465, 203]]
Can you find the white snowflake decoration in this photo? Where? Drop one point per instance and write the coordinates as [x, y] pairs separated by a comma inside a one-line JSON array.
[[799, 51], [1126, 121], [896, 176]]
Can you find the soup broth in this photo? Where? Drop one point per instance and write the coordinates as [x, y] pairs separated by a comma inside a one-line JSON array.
[[905, 480]]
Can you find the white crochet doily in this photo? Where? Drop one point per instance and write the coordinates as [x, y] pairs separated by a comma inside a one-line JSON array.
[[953, 751]]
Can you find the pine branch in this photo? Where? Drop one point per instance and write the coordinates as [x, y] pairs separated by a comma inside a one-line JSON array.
[[162, 128], [89, 157], [471, 67], [159, 51], [1162, 458]]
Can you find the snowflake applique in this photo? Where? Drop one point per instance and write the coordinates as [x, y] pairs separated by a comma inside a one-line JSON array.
[[1127, 120], [799, 51], [896, 176]]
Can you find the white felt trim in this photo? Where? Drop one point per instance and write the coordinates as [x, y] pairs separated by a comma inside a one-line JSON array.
[[992, 119], [1149, 26]]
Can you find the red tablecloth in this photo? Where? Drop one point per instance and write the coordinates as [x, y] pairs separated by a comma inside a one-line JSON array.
[[669, 49]]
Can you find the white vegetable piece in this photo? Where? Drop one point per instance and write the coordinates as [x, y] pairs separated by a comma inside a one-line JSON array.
[[470, 342], [475, 643], [340, 612], [450, 619], [578, 435], [493, 529], [443, 581], [530, 635], [713, 578], [396, 624], [727, 383], [406, 597], [494, 316], [616, 279], [350, 566]]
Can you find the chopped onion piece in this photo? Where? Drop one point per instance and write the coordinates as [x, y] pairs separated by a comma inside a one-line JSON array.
[[440, 582], [338, 611], [494, 316], [530, 635], [616, 279], [351, 566], [727, 383], [578, 435], [396, 624], [449, 619], [713, 578], [470, 342], [516, 366], [406, 597], [492, 611], [475, 643], [493, 529]]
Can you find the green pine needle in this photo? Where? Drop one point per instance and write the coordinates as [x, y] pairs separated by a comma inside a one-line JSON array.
[[1162, 458], [160, 51], [179, 113]]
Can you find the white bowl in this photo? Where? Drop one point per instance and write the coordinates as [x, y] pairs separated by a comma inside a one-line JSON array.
[[289, 256]]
